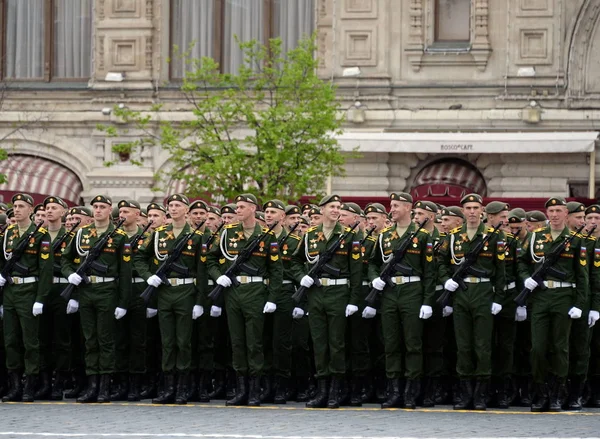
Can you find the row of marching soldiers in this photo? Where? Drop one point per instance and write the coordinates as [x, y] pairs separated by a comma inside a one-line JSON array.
[[370, 326]]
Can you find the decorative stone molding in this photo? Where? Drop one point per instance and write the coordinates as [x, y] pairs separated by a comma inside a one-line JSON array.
[[580, 53], [360, 47], [359, 9]]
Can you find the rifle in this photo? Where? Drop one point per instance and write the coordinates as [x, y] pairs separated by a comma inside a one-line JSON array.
[[90, 263], [287, 235], [135, 241], [369, 233], [58, 244], [170, 264], [590, 232], [395, 264], [13, 263], [212, 237], [322, 265], [240, 265], [547, 268], [467, 268]]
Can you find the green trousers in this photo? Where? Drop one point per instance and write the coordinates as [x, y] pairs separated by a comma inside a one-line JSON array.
[[504, 336], [473, 325], [522, 353], [301, 353], [245, 318], [550, 330], [175, 304], [579, 345], [357, 340], [21, 329], [55, 332], [130, 344], [204, 329], [97, 303], [283, 324], [327, 320], [433, 344]]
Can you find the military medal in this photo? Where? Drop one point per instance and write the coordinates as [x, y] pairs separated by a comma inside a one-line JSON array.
[[285, 247], [189, 244], [261, 246], [342, 244]]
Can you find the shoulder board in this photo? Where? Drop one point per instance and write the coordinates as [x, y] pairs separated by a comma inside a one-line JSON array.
[[573, 233], [42, 230], [539, 230], [296, 237], [12, 226], [266, 229], [372, 238], [491, 229], [87, 226], [591, 238], [387, 229], [160, 229], [232, 225], [424, 231], [312, 229], [509, 235], [347, 229], [71, 234], [198, 232], [456, 230], [121, 232], [579, 235], [442, 234], [146, 233]]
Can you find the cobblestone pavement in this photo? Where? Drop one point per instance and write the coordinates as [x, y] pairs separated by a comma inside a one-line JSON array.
[[292, 421]]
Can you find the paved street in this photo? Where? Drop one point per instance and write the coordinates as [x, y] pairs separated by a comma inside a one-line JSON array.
[[293, 421]]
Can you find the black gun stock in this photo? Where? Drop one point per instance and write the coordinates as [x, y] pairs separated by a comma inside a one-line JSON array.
[[13, 263], [170, 264], [369, 233], [287, 235], [395, 265], [56, 245], [91, 262], [135, 241], [467, 267], [212, 237], [322, 265], [547, 268]]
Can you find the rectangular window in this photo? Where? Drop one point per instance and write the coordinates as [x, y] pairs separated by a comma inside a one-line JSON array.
[[452, 20], [292, 21], [46, 39]]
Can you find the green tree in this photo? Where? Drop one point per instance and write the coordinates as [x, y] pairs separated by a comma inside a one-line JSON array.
[[268, 129]]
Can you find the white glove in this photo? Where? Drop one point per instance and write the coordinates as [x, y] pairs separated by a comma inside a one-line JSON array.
[[154, 281], [447, 311], [369, 312], [38, 308], [425, 312], [74, 279], [215, 311], [297, 313], [575, 313], [224, 281], [351, 309], [197, 311], [2, 281], [307, 281], [72, 306], [151, 312], [530, 284], [269, 308], [496, 308], [378, 284], [451, 285], [120, 313], [521, 314], [593, 317]]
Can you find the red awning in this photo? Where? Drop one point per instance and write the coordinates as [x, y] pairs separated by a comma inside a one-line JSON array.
[[448, 179], [39, 178]]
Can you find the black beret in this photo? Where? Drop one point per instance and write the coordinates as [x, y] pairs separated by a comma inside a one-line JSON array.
[[56, 200], [23, 197], [101, 199], [179, 197], [471, 198]]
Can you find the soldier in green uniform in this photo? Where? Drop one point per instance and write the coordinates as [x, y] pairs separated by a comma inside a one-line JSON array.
[[553, 309], [331, 304], [592, 218], [55, 335], [247, 303], [474, 308], [178, 300], [315, 215], [535, 220], [408, 303], [102, 300], [25, 294]]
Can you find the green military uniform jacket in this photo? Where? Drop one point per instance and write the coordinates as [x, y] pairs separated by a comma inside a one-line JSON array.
[[366, 251], [594, 272], [287, 249], [491, 259], [573, 261], [157, 247], [116, 255], [61, 249], [265, 258], [37, 257], [510, 258], [437, 238], [347, 257], [418, 256], [202, 283]]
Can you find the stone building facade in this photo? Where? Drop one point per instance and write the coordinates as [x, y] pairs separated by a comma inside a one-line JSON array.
[[441, 96]]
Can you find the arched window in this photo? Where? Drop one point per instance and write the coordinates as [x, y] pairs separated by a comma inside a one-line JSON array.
[[452, 178]]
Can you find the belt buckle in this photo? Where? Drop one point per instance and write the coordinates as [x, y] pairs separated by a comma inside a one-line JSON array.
[[16, 280], [473, 279], [173, 282], [325, 282], [244, 279], [93, 279], [400, 280], [550, 284]]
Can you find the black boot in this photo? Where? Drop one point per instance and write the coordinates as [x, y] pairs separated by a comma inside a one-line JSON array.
[[29, 388], [480, 394], [302, 390], [526, 386], [368, 391], [79, 379], [344, 392], [555, 385], [541, 398], [203, 395], [230, 383], [254, 395], [148, 390], [45, 388], [192, 387], [91, 393], [411, 390], [320, 399], [394, 397], [57, 386], [241, 395], [182, 388], [334, 392], [134, 387], [119, 387], [167, 395], [16, 387], [381, 389], [356, 392], [431, 385], [281, 390], [595, 399], [466, 395], [266, 395], [104, 388], [576, 387], [219, 385], [503, 398]]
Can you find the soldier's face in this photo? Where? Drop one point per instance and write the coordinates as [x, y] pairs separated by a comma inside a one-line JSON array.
[[244, 210], [331, 211], [40, 217], [129, 214], [450, 222], [273, 216], [54, 212], [472, 213], [576, 220], [101, 211], [213, 221], [197, 216], [142, 221], [316, 219], [399, 210], [421, 214], [177, 210], [301, 229], [292, 219], [347, 218], [495, 218], [591, 220], [83, 220], [69, 221], [157, 217], [22, 210], [376, 220], [228, 218], [515, 228], [557, 215]]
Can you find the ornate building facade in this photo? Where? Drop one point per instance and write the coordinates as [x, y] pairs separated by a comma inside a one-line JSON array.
[[440, 96]]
